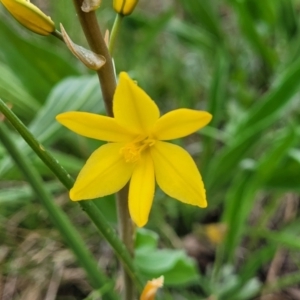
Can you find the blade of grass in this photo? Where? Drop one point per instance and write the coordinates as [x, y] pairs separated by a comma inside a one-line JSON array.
[[215, 103], [280, 239], [288, 18], [202, 12], [255, 261], [241, 197], [269, 109], [253, 37], [20, 194]]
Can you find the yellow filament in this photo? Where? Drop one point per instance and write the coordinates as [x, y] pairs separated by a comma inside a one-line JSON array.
[[132, 151]]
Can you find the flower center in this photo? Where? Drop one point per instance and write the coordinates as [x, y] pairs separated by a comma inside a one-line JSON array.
[[132, 151]]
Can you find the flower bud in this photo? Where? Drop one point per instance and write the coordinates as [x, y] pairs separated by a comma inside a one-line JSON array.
[[29, 16], [124, 7], [151, 288]]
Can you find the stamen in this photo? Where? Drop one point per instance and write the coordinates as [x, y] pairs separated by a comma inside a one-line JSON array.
[[132, 151]]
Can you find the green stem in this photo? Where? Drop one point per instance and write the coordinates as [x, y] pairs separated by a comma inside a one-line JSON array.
[[114, 32], [47, 158], [88, 206], [58, 217], [120, 249], [107, 80], [58, 35]]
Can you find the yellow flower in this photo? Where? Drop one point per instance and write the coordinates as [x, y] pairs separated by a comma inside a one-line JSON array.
[[136, 151], [29, 16], [151, 288], [124, 7]]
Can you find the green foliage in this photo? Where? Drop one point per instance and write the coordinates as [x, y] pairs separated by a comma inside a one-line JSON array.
[[75, 93], [27, 59], [177, 268], [238, 60]]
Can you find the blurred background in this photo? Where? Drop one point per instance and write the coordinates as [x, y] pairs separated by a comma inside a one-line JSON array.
[[237, 59]]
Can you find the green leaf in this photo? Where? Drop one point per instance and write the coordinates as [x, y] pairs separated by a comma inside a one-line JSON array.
[[174, 265], [72, 94], [146, 239], [289, 179], [16, 194], [14, 92], [30, 60], [189, 34], [75, 93]]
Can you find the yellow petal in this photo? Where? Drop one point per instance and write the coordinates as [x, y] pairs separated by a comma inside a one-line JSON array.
[[151, 288], [29, 16], [104, 173], [177, 175], [179, 123], [141, 190], [94, 126], [132, 107]]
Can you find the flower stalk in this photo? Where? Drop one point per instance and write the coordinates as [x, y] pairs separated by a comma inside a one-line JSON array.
[[97, 44], [107, 81], [114, 32], [127, 233]]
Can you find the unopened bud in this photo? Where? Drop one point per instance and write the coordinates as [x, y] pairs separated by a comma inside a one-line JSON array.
[[29, 16], [151, 288], [124, 7]]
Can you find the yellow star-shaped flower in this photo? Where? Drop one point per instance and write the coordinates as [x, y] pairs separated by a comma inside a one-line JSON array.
[[137, 151]]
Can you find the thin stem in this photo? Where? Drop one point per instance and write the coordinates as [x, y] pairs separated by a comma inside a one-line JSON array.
[[114, 32], [108, 85], [45, 156], [127, 236], [58, 217], [58, 35], [97, 44], [120, 249], [88, 206]]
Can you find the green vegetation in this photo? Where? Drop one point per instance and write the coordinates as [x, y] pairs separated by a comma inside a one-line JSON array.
[[239, 60]]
